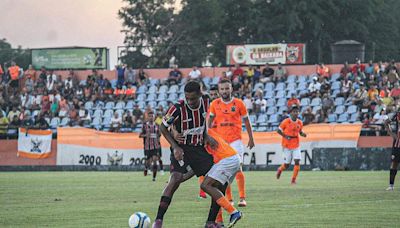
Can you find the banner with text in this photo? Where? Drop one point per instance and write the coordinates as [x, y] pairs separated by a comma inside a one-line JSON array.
[[260, 54], [70, 58], [34, 144], [81, 146]]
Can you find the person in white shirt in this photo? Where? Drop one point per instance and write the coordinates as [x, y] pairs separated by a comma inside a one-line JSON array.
[[261, 104], [378, 120], [116, 122], [248, 102], [314, 85], [195, 73]]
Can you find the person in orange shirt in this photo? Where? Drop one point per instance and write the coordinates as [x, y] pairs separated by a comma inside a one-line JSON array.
[[293, 101], [290, 129], [226, 165], [226, 114], [14, 72]]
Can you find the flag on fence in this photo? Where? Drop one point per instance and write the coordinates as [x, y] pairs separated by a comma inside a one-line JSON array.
[[34, 144]]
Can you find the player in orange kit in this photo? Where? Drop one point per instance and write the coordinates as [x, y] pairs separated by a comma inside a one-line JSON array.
[[226, 165], [290, 129], [226, 114]]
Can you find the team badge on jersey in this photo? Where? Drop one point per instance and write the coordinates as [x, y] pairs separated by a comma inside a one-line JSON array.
[[233, 108]]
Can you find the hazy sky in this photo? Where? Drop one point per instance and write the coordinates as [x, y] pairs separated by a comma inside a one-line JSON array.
[[59, 23]]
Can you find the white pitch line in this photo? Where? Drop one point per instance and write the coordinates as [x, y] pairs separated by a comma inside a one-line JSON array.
[[307, 205]]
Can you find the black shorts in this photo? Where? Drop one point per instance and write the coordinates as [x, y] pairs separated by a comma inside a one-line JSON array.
[[199, 160], [396, 154], [150, 153]]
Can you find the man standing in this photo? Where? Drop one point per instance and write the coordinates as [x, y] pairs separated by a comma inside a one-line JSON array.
[[187, 117], [152, 146], [226, 114], [395, 149], [290, 129]]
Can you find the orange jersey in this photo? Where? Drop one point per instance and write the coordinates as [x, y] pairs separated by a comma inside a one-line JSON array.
[[224, 150], [14, 72], [291, 128], [228, 118]]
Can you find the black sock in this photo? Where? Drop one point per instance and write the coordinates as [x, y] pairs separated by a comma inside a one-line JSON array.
[[161, 164], [155, 170], [393, 173], [162, 209]]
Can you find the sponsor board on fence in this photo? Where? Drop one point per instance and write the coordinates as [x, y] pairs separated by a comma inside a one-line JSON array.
[[260, 54], [34, 143], [80, 146]]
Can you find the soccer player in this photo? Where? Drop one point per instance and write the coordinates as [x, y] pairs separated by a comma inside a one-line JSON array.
[[227, 164], [187, 117], [151, 140], [226, 114], [290, 129], [395, 149]]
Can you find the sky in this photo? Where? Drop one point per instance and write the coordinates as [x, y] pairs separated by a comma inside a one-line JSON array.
[[61, 23]]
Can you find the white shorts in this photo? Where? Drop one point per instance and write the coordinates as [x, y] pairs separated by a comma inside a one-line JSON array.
[[289, 154], [239, 147], [225, 170]]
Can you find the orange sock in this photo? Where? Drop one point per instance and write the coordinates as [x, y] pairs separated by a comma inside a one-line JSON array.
[[219, 216], [228, 193], [282, 167], [201, 179], [296, 170], [224, 203], [241, 185]]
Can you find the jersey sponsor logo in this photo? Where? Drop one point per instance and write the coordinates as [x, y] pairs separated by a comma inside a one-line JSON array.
[[194, 131]]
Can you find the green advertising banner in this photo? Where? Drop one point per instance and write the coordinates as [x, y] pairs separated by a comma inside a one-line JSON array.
[[70, 58]]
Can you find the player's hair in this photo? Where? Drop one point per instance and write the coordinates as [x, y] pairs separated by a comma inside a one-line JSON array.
[[214, 87], [294, 107], [225, 81], [192, 86]]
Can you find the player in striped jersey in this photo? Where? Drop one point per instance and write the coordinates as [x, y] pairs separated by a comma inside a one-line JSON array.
[[151, 140], [395, 149], [187, 117]]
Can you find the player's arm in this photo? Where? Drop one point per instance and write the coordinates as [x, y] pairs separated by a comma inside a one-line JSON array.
[[178, 152], [249, 130], [303, 134], [282, 134], [142, 133]]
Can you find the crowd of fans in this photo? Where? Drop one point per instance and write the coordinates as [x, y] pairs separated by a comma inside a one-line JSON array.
[[33, 98]]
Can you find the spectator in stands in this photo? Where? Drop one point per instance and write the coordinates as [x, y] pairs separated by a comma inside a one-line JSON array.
[[267, 72], [384, 92], [250, 72], [358, 67], [15, 123], [395, 92], [27, 121], [54, 108], [248, 102], [64, 108], [175, 76], [130, 93], [29, 83], [308, 116], [379, 106], [393, 76], [346, 69], [130, 75], [320, 117], [237, 73], [373, 93], [73, 117], [377, 121], [369, 70], [137, 115], [128, 120], [40, 122], [50, 83], [360, 96], [116, 123], [313, 87], [120, 70], [15, 72], [280, 74], [84, 117], [260, 104], [229, 73], [3, 125], [384, 82], [246, 87], [322, 70], [346, 88], [30, 72], [257, 75], [195, 74], [13, 112], [391, 67], [327, 102], [293, 101], [142, 77], [26, 100]]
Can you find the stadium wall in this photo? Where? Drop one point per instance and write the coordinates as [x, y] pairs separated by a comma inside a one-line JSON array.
[[206, 71]]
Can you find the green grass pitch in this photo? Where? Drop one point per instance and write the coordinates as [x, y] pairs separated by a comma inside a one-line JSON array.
[[107, 199]]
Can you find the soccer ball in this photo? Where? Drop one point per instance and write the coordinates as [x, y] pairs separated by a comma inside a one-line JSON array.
[[139, 220]]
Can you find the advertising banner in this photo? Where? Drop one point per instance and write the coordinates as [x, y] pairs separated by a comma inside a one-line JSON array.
[[70, 58], [34, 144], [81, 146], [260, 54]]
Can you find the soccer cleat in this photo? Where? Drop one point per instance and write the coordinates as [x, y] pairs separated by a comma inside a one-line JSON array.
[[278, 173], [293, 182], [157, 223], [210, 225], [154, 179], [145, 172], [236, 216], [202, 195], [220, 225], [390, 188], [242, 203]]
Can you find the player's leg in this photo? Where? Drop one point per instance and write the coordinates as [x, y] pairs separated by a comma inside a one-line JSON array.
[[146, 163], [228, 193], [240, 178], [393, 168], [215, 210], [202, 194], [287, 159], [296, 157], [160, 162], [155, 167]]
